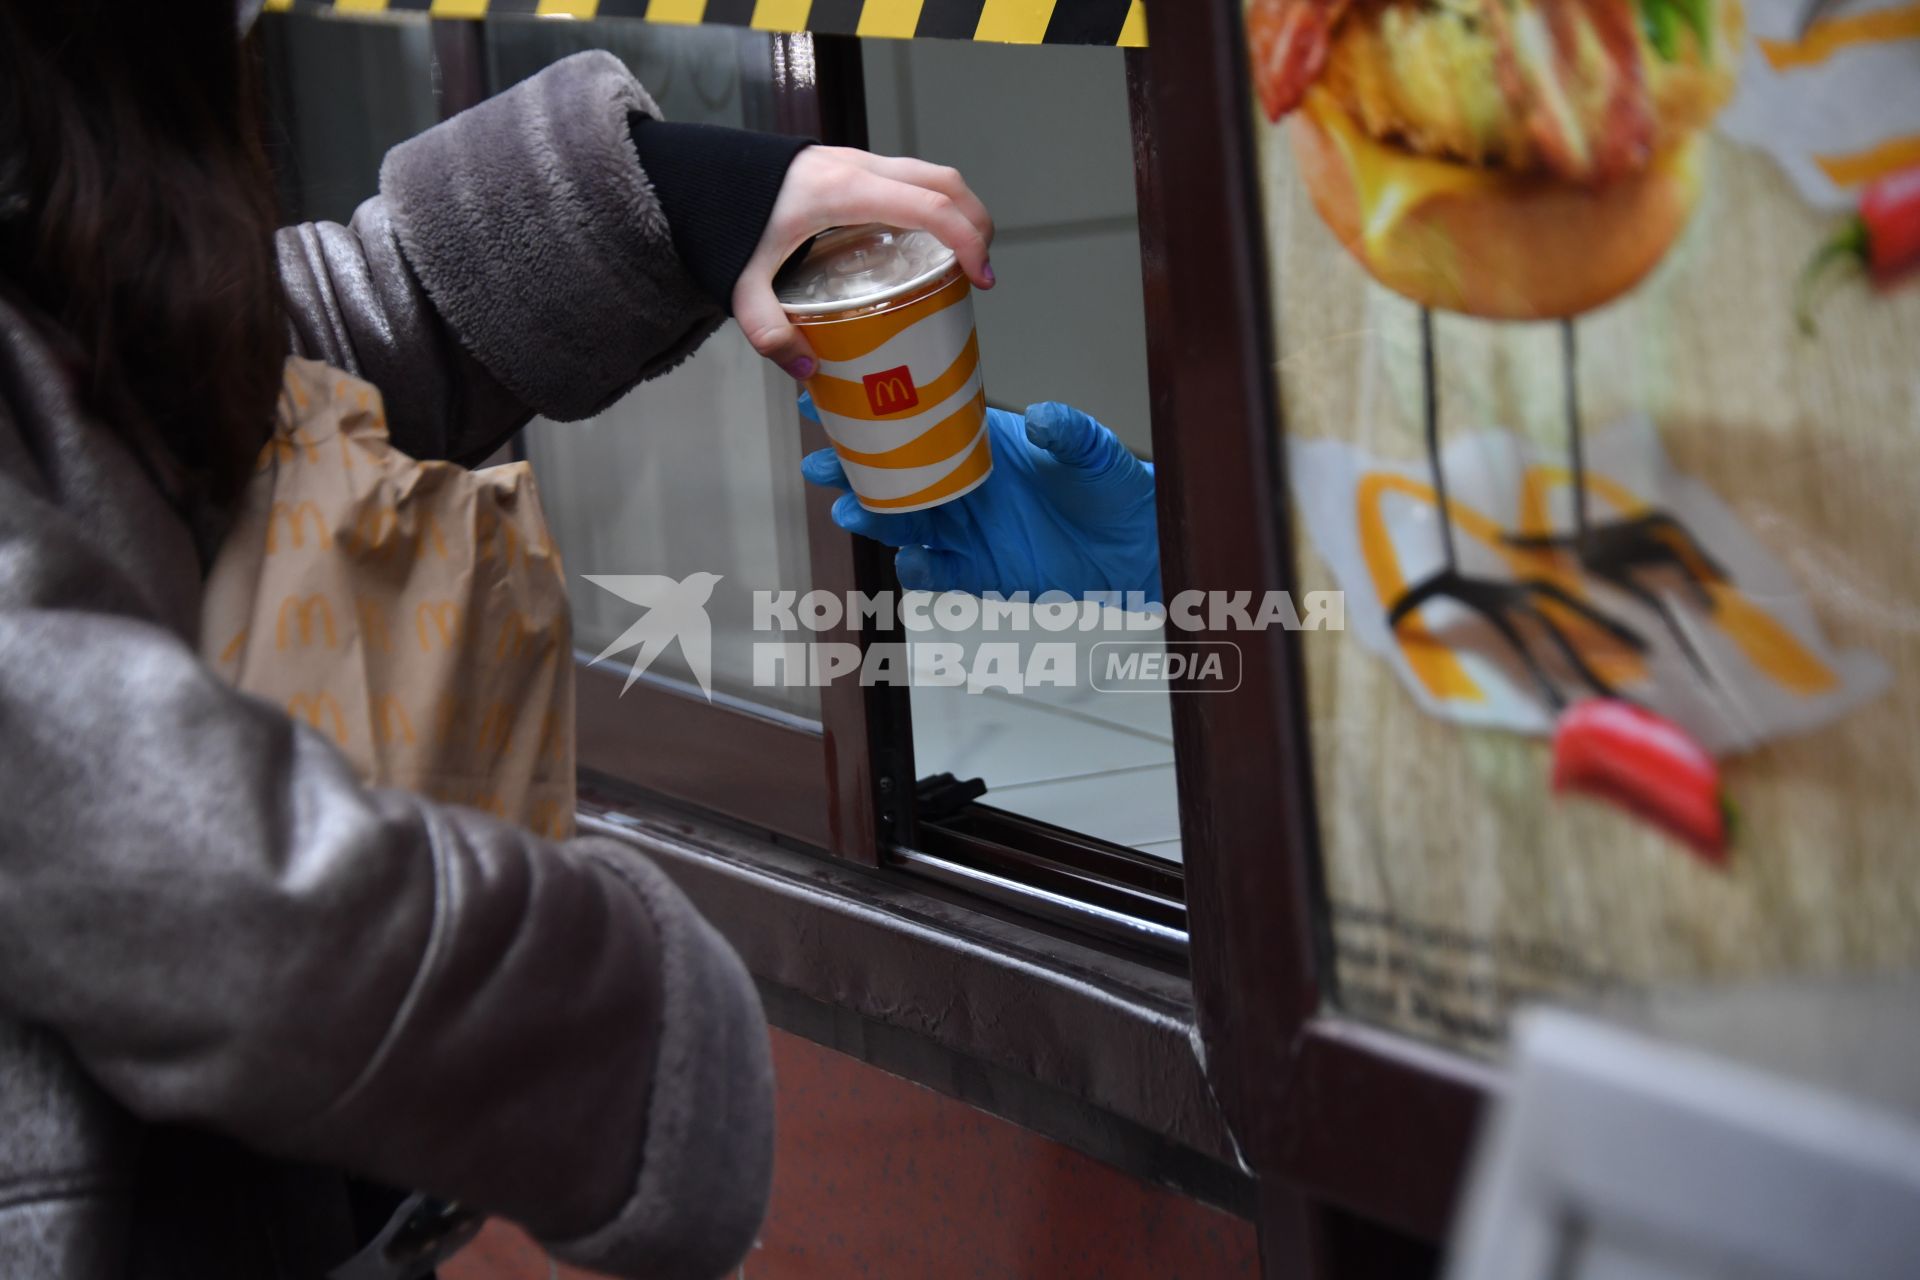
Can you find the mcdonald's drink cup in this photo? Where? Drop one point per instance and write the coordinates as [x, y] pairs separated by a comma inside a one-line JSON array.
[[889, 314]]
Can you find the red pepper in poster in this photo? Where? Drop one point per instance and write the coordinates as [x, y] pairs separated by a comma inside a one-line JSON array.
[[1884, 237], [1890, 212], [1646, 764]]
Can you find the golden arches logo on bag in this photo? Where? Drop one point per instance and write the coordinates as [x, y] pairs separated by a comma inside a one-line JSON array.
[[300, 612], [322, 711], [286, 447], [391, 723], [375, 629], [444, 615], [520, 637], [498, 538], [378, 531], [495, 734], [293, 518]]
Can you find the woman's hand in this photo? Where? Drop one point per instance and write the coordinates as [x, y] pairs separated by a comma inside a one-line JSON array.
[[837, 187], [1067, 508]]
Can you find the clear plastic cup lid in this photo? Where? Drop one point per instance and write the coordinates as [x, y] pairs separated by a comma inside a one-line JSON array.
[[857, 266]]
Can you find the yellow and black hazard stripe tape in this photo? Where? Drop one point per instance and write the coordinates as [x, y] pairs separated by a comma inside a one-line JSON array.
[[1107, 22]]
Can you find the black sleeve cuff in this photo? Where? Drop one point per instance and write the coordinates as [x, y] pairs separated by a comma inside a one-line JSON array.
[[717, 187]]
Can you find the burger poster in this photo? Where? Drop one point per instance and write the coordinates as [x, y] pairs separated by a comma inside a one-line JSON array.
[[1597, 332]]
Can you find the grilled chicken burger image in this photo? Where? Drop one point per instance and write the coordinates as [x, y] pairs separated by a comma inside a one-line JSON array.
[[1514, 159]]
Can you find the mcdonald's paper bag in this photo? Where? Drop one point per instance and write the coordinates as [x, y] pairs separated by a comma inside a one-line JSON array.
[[414, 612]]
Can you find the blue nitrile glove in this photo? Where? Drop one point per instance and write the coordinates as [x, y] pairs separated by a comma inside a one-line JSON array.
[[1067, 508]]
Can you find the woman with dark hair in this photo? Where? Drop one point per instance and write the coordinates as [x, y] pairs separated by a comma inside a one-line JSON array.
[[229, 972]]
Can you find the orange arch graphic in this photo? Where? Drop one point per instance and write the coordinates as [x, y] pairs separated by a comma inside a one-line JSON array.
[[978, 463], [1824, 39], [845, 398], [938, 443], [1858, 168], [1434, 664], [1770, 647]]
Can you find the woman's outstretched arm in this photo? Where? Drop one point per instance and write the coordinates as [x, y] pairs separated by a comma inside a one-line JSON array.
[[516, 261], [553, 246]]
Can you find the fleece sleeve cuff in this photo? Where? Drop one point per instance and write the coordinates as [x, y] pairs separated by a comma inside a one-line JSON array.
[[536, 233], [718, 187], [706, 1169]]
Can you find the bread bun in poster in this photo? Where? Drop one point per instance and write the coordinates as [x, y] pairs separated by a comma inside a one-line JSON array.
[[1514, 159]]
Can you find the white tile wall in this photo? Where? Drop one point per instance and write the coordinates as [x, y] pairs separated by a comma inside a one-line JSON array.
[[1041, 133], [1067, 323], [1042, 136], [1095, 762]]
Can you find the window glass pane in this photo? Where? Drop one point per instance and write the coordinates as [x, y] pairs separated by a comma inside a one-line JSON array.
[[1045, 141], [339, 94], [697, 471]]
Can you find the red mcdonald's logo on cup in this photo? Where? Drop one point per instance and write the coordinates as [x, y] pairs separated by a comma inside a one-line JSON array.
[[891, 390]]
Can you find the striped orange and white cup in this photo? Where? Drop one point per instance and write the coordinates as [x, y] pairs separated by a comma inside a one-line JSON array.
[[889, 315]]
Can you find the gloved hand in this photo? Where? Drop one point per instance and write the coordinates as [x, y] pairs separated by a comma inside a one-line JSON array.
[[1067, 508]]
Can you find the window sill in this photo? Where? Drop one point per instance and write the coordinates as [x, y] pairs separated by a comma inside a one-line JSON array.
[[1093, 1049]]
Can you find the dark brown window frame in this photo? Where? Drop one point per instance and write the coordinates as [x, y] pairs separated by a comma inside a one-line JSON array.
[[1331, 1108]]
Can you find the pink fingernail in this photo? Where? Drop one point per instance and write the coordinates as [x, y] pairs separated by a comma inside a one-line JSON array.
[[986, 273], [800, 370]]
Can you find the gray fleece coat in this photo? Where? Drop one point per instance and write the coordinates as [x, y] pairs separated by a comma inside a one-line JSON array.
[[227, 969]]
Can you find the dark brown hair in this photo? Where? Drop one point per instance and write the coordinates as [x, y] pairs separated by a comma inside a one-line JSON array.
[[136, 221]]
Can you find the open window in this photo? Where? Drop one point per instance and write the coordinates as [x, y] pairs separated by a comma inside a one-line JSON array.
[[1080, 816], [697, 471]]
